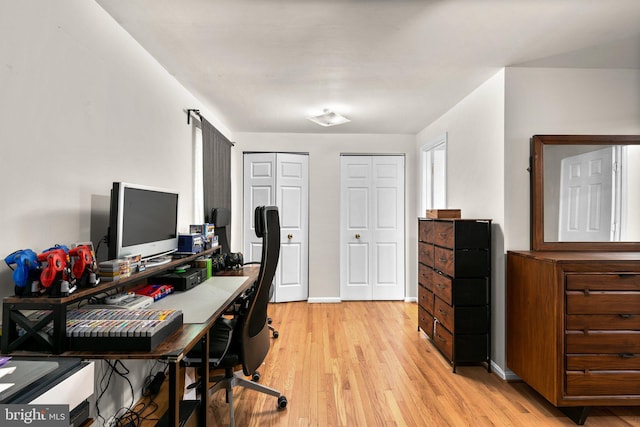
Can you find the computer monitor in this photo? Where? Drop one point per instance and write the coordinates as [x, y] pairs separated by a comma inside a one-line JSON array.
[[142, 220]]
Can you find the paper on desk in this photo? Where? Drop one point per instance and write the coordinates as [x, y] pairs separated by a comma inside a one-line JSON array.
[[4, 386], [6, 371]]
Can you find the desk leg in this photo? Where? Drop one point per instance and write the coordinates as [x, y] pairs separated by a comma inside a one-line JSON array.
[[174, 394], [204, 395]]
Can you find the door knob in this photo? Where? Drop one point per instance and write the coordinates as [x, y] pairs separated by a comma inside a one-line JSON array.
[[357, 236], [289, 236]]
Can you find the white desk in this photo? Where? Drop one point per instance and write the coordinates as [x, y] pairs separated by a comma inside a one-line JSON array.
[[197, 303]]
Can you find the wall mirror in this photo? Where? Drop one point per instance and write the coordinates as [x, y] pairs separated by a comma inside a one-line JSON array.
[[585, 193]]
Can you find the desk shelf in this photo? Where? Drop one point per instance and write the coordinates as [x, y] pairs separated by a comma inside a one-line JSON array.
[[55, 342]]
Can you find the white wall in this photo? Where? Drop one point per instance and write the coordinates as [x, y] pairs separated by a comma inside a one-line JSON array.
[[475, 178], [82, 105], [324, 197], [558, 101]]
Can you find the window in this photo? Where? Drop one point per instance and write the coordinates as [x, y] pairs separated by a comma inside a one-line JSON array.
[[433, 174], [198, 187]]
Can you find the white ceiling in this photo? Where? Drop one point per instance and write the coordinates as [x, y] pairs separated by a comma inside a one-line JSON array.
[[391, 66]]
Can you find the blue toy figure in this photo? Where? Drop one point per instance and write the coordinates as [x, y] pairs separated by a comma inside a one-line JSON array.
[[26, 271]]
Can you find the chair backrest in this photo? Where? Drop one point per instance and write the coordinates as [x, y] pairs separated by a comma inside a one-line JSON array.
[[255, 329], [221, 217]]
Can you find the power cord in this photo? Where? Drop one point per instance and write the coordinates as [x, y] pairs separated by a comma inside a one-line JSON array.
[[133, 417]]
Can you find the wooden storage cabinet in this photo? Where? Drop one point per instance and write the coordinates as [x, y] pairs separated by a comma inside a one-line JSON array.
[[573, 326], [454, 275]]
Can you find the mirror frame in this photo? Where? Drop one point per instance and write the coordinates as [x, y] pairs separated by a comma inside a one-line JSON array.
[[537, 192]]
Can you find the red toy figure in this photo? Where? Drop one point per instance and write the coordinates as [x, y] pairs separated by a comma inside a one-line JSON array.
[[55, 276]]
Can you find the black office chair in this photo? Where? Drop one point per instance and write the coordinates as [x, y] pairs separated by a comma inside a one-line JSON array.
[[244, 339], [258, 227], [221, 218]]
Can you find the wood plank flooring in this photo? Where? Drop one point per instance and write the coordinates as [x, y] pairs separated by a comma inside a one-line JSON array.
[[365, 364]]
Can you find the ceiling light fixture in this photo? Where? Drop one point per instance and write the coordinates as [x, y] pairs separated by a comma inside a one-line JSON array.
[[329, 118]]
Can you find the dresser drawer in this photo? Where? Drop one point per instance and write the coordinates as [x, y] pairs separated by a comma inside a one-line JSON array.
[[443, 340], [603, 302], [603, 342], [587, 322], [443, 234], [603, 383], [473, 291], [603, 282], [425, 231], [425, 254], [443, 312], [462, 263], [425, 322], [425, 299], [603, 362], [442, 287], [425, 276], [462, 234]]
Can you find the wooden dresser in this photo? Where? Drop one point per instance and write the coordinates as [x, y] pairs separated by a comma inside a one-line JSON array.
[[454, 278], [573, 327]]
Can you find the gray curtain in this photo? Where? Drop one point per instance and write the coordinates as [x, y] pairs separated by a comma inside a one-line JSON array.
[[216, 158]]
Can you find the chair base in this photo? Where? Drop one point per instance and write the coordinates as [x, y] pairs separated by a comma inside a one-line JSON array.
[[232, 379]]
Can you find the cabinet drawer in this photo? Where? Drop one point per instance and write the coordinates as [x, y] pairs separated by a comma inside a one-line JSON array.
[[462, 263], [425, 254], [603, 383], [603, 302], [425, 299], [442, 287], [603, 362], [443, 312], [473, 291], [443, 234], [425, 276], [425, 231], [462, 320], [443, 260], [462, 234], [443, 340], [425, 322], [586, 322], [603, 342], [604, 282]]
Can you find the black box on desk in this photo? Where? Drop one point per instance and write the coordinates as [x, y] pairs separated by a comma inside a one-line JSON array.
[[180, 281]]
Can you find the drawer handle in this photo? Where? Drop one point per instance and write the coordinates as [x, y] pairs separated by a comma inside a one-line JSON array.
[[626, 355], [441, 311], [626, 316], [443, 259], [440, 286]]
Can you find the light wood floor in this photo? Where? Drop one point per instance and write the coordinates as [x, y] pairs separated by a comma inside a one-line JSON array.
[[365, 364]]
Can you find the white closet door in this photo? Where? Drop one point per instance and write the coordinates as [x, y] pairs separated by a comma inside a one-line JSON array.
[[372, 228], [281, 179]]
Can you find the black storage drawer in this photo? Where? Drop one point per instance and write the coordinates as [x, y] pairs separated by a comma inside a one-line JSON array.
[[471, 320], [472, 291], [472, 235], [471, 263], [471, 348]]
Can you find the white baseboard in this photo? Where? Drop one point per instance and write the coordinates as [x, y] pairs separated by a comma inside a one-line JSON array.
[[411, 299], [506, 375], [324, 300]]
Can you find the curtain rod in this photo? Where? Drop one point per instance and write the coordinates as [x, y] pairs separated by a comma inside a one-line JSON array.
[[194, 111]]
